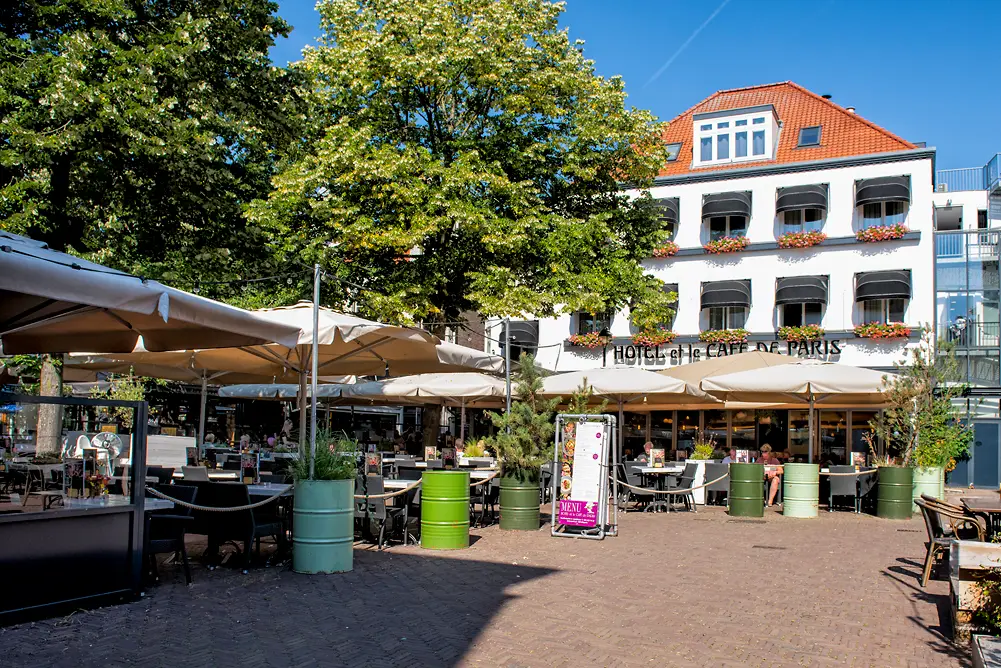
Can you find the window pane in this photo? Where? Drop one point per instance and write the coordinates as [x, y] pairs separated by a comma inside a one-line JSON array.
[[895, 308], [688, 429], [724, 124], [811, 215], [894, 213], [809, 136], [737, 317], [722, 147], [813, 314], [793, 220], [799, 434], [662, 430], [707, 126], [715, 422], [717, 227], [671, 229], [672, 151], [738, 226], [872, 311], [872, 215], [740, 145], [707, 149], [717, 318], [743, 431], [792, 315], [759, 142], [740, 123], [759, 121]]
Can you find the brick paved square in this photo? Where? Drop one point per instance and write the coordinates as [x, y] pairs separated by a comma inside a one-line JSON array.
[[685, 589]]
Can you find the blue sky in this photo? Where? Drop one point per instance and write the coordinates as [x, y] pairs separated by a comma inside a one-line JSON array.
[[924, 70]]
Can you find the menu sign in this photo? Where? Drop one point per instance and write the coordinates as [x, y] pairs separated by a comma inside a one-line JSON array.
[[448, 458], [657, 456], [581, 471]]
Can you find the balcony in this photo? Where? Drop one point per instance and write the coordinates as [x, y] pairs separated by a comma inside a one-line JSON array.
[[992, 174], [975, 334], [987, 177], [976, 246]]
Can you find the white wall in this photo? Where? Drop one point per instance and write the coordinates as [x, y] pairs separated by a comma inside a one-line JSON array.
[[971, 201]]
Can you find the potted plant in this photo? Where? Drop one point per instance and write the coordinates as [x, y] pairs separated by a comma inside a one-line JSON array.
[[323, 528], [801, 333], [589, 340], [881, 331], [666, 249], [727, 245], [705, 446], [654, 337], [801, 239], [882, 233], [738, 335], [523, 442]]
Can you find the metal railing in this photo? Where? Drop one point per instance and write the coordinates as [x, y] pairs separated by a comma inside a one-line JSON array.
[[976, 334], [966, 178], [992, 173], [972, 244]]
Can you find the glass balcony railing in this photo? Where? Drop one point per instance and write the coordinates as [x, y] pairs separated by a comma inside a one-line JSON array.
[[974, 334], [974, 246]]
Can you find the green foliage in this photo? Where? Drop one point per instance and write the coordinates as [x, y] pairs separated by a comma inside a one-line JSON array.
[[134, 132], [524, 439], [474, 450], [987, 615], [655, 310], [580, 401], [463, 155], [705, 446], [123, 388], [920, 424], [335, 458]]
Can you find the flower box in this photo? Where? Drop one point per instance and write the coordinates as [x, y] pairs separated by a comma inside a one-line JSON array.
[[667, 249], [589, 340], [801, 239], [882, 233], [801, 333], [727, 245], [724, 336], [655, 337], [877, 330]]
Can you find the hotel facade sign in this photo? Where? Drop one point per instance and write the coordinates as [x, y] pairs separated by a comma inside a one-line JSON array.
[[694, 352]]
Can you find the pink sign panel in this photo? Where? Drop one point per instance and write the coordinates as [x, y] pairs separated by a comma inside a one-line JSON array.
[[578, 513]]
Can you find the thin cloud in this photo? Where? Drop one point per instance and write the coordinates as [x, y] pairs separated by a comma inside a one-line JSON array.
[[684, 46]]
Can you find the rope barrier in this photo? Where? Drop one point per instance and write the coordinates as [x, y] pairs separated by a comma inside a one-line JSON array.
[[487, 479], [213, 509], [855, 473], [388, 495], [676, 492]]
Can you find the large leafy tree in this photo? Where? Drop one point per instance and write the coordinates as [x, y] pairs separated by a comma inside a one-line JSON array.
[[136, 131], [462, 155]]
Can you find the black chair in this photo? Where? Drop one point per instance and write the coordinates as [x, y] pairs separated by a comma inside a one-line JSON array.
[[683, 488], [377, 510], [867, 489], [720, 488], [231, 464], [642, 499], [275, 478], [940, 537], [244, 526], [165, 530], [842, 486], [546, 483], [267, 466], [409, 473], [164, 475]]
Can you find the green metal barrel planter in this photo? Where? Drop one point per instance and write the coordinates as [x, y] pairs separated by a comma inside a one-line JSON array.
[[519, 499], [445, 510], [930, 481], [895, 494], [747, 490], [323, 526], [801, 490]]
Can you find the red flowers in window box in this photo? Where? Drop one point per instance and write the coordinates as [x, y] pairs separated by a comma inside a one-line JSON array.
[[724, 335], [877, 330], [882, 233], [801, 239], [666, 249], [590, 340], [655, 337], [727, 245], [801, 333]]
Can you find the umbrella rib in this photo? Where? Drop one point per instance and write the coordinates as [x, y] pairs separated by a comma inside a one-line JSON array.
[[52, 316], [361, 349], [271, 357], [115, 316], [34, 309]]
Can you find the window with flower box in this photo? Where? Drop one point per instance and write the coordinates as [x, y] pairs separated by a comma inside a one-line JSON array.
[[593, 323], [884, 311], [727, 317]]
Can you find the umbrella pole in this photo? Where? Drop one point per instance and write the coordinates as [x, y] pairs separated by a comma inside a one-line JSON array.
[[201, 414], [302, 411], [809, 450], [507, 364], [316, 363], [621, 429], [462, 419]]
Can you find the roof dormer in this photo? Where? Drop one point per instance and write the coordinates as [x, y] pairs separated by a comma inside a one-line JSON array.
[[734, 135]]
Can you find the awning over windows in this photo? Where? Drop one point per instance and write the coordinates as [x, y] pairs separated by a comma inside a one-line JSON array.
[[525, 333], [726, 293], [726, 204], [802, 197], [895, 284], [883, 189], [668, 208], [670, 287], [801, 290]]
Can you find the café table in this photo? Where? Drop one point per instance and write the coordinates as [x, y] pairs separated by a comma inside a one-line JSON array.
[[116, 500], [988, 507], [661, 472]]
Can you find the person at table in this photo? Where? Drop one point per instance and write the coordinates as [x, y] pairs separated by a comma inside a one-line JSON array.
[[768, 459], [645, 457], [731, 456]]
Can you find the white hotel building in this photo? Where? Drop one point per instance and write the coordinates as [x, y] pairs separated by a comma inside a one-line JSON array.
[[755, 164]]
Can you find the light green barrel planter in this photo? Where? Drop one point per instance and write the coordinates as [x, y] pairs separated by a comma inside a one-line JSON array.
[[930, 481], [519, 499], [445, 510], [895, 494], [323, 526], [801, 490], [747, 491]]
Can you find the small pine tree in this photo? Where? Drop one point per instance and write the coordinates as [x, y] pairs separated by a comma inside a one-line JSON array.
[[524, 439], [580, 401]]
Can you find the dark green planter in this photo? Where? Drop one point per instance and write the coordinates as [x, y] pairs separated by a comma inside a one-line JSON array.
[[445, 510], [519, 499], [896, 486], [747, 490]]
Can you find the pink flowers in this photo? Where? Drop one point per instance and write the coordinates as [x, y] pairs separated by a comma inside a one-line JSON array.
[[727, 245], [654, 337], [882, 233], [590, 340], [724, 335], [877, 330], [802, 333], [667, 249], [801, 239]]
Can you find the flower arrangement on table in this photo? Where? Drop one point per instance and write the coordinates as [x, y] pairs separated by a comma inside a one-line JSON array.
[[666, 249], [98, 484], [801, 333], [590, 340], [878, 330], [724, 335], [653, 337], [801, 239], [727, 245], [882, 233]]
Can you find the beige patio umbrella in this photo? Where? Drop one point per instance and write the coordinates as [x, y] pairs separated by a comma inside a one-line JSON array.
[[695, 372], [51, 302], [813, 381]]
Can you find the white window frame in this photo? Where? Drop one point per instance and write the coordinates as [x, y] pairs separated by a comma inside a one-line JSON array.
[[800, 227], [728, 233], [884, 308], [728, 313], [598, 318], [881, 221], [730, 128], [802, 306]]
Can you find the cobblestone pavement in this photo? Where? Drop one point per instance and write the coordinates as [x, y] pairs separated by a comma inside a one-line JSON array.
[[685, 589]]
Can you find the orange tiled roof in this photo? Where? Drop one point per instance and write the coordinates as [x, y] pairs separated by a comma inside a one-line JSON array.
[[844, 134]]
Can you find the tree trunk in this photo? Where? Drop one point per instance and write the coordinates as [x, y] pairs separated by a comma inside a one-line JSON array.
[[50, 417]]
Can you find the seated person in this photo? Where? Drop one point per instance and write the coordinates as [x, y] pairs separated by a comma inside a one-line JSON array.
[[768, 459], [731, 457], [645, 457]]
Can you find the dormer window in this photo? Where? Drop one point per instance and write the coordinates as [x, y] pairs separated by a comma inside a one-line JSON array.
[[735, 135]]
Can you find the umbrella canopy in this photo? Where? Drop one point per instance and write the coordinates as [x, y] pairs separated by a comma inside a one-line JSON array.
[[828, 383], [696, 372], [51, 302], [433, 387], [280, 390], [622, 384]]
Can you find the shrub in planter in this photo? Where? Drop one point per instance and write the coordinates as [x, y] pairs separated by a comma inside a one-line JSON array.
[[882, 233], [801, 239], [878, 330], [590, 340], [801, 333], [666, 249], [656, 337], [727, 245], [724, 335]]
